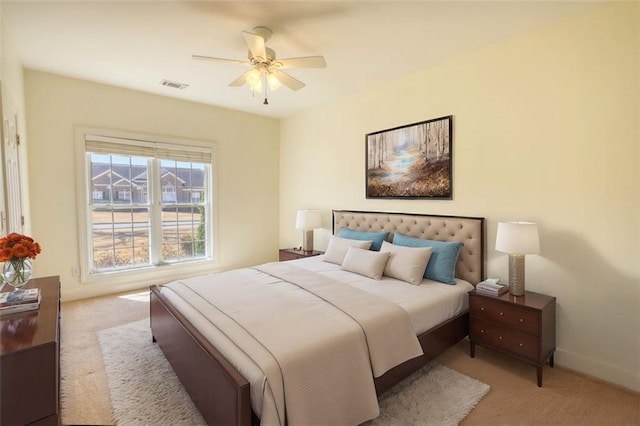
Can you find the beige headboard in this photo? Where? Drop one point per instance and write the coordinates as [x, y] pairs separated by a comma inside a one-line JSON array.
[[467, 230]]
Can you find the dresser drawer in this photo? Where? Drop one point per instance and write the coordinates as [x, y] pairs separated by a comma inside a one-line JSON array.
[[515, 342], [508, 315]]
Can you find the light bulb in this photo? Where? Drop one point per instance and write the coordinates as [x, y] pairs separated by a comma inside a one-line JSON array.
[[274, 83], [257, 86], [254, 80]]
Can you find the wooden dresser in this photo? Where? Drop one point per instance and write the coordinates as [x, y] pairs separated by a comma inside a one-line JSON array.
[[523, 327], [30, 360]]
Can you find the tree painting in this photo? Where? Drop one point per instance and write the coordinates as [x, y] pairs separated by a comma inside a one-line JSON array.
[[412, 161]]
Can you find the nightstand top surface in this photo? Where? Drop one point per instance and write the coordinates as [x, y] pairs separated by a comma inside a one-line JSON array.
[[530, 299], [302, 252]]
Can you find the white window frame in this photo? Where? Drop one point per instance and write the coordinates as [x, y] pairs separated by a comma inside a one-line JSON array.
[[162, 272]]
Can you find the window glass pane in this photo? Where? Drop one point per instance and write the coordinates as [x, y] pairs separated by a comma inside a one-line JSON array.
[[191, 232], [184, 226], [170, 225], [120, 237], [103, 259]]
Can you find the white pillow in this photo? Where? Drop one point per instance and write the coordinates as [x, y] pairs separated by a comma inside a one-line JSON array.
[[365, 262], [406, 263], [338, 248]]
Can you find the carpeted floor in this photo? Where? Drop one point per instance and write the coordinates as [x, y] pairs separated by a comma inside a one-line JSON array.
[[144, 390], [565, 398]]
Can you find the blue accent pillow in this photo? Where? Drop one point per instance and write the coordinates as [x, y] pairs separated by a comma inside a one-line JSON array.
[[442, 264], [376, 237]]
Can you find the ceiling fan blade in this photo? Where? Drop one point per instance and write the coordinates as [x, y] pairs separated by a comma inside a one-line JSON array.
[[287, 80], [211, 58], [303, 62], [256, 44], [240, 80]]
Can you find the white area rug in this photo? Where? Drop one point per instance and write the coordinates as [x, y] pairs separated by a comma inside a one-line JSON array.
[[145, 391]]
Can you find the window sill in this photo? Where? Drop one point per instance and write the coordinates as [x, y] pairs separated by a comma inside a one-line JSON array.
[[159, 274]]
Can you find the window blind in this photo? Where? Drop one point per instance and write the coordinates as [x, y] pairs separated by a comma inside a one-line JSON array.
[[138, 148]]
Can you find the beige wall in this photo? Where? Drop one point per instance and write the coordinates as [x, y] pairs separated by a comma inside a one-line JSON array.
[[247, 184], [545, 129]]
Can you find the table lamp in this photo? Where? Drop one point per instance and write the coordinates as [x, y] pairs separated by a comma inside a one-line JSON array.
[[517, 239], [308, 220]]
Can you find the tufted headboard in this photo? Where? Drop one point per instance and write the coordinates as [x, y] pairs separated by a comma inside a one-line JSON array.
[[469, 231]]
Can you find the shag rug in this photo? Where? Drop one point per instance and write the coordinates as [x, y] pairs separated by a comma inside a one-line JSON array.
[[145, 391]]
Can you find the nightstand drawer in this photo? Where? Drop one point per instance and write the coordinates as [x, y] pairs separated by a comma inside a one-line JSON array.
[[293, 254], [511, 316], [285, 255], [517, 343]]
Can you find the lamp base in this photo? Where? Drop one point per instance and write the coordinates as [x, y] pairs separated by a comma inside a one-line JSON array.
[[516, 274], [307, 240]]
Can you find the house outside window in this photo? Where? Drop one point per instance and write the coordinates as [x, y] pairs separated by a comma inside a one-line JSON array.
[[132, 231], [169, 194], [142, 195], [124, 195]]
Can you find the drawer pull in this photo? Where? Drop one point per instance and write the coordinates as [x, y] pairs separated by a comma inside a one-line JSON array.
[[500, 337], [501, 313], [520, 344], [521, 320], [481, 331], [482, 308]]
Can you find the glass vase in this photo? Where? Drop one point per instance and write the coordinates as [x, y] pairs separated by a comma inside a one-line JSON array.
[[17, 272]]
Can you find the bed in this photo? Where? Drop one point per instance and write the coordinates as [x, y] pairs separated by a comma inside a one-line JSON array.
[[215, 384]]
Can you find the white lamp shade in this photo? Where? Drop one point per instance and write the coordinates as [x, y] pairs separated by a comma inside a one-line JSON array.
[[518, 238], [308, 219]]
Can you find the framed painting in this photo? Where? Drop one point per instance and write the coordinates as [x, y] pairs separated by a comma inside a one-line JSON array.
[[411, 161]]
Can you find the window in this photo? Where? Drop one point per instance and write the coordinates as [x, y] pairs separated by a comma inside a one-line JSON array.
[[141, 212]]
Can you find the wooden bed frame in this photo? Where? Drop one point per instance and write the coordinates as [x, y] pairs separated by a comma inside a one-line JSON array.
[[222, 394]]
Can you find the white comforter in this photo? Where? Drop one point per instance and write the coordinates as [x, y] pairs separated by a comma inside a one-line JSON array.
[[429, 304], [308, 345]]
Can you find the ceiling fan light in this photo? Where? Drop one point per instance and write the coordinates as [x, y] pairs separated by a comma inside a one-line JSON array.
[[274, 83], [257, 86], [254, 78]]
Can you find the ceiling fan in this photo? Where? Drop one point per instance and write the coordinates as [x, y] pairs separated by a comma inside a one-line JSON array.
[[266, 69]]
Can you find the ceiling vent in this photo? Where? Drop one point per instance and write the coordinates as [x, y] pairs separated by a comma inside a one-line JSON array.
[[173, 84]]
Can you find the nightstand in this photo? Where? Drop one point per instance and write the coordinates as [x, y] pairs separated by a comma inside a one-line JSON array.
[[292, 254], [523, 327]]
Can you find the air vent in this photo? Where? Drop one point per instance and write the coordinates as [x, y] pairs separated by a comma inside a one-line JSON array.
[[173, 84]]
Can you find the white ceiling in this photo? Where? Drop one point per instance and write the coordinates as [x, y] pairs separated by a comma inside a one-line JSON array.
[[137, 44]]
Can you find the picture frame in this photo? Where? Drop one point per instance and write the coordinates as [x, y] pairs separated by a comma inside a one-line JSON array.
[[413, 161]]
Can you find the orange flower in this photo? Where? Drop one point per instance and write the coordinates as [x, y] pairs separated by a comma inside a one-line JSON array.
[[15, 237], [18, 246], [5, 254], [20, 250]]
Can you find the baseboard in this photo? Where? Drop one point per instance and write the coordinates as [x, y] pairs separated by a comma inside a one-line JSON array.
[[608, 373]]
